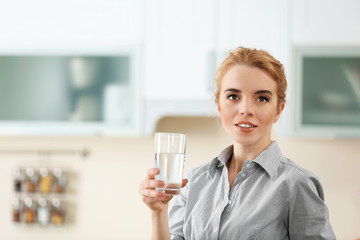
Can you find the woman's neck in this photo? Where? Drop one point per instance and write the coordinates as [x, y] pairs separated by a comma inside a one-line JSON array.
[[245, 152]]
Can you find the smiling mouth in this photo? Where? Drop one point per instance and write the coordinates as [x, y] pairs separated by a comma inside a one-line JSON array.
[[243, 125]]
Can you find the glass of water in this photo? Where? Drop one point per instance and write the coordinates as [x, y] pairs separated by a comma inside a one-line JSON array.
[[170, 159]]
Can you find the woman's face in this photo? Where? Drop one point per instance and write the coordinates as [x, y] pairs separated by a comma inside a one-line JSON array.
[[248, 105]]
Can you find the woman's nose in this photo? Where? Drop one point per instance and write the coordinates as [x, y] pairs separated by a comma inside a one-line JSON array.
[[246, 107]]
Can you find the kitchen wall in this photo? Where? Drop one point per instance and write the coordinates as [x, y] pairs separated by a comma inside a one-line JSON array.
[[103, 188]]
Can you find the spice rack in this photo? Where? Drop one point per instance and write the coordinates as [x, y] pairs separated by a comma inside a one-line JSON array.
[[40, 191], [39, 194]]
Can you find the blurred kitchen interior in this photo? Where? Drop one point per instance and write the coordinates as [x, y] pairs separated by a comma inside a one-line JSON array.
[[85, 84]]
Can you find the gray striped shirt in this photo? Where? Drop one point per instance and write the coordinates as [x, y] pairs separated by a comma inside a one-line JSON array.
[[271, 198]]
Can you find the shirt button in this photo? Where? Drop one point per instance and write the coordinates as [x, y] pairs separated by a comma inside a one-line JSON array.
[[230, 202], [215, 230], [243, 174], [248, 165]]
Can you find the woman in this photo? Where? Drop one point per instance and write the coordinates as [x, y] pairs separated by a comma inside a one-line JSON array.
[[249, 191]]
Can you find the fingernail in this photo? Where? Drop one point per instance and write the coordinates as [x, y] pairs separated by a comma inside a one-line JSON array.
[[155, 170]]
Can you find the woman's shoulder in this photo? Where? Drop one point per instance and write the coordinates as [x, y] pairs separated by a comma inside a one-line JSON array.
[[293, 170], [299, 178]]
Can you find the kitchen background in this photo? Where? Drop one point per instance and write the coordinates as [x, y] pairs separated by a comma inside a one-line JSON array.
[[105, 75]]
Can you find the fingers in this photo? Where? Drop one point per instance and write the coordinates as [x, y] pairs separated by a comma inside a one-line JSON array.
[[184, 182], [172, 192], [152, 172], [151, 193], [150, 200], [150, 183]]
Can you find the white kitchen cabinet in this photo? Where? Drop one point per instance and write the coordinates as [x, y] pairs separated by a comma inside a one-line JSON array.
[[178, 46], [53, 24], [327, 96], [320, 31], [256, 24], [179, 55], [325, 22], [52, 34], [70, 94]]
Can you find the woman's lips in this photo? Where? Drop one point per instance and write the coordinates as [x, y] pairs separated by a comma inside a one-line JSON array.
[[245, 126]]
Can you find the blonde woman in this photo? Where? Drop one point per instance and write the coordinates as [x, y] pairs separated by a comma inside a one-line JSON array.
[[249, 191]]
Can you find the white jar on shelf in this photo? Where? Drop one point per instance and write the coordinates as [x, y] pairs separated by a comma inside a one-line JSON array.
[[43, 212]]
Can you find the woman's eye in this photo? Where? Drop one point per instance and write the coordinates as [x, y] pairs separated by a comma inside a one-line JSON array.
[[263, 99], [232, 97]]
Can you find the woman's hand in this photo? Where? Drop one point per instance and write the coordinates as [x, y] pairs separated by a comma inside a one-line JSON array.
[[156, 200]]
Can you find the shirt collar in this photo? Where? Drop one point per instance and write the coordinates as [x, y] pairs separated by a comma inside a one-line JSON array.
[[269, 159], [220, 160]]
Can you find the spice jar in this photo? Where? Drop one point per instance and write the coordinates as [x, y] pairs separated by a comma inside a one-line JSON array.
[[31, 180], [60, 180], [58, 212], [18, 179], [45, 181], [43, 211], [16, 209], [29, 212]]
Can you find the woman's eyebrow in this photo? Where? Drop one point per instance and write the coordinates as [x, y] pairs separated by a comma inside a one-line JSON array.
[[239, 91], [232, 90], [263, 91]]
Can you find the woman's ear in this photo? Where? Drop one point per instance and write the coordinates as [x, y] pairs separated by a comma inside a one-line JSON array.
[[279, 111], [219, 110]]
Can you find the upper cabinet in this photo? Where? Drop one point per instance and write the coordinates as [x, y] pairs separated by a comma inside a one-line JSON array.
[[179, 56], [57, 25], [325, 22], [70, 67], [147, 59], [327, 93], [179, 49], [257, 24], [322, 65], [69, 94]]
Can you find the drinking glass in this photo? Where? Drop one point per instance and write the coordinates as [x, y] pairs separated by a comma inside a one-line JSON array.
[[170, 159]]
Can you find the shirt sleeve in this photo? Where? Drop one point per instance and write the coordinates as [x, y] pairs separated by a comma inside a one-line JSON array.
[[177, 213], [308, 216]]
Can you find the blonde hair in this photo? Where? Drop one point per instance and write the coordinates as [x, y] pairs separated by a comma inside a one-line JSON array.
[[254, 58]]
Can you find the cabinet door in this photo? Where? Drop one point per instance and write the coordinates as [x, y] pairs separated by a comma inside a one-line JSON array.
[[257, 24], [179, 46], [67, 94], [91, 23], [325, 22], [328, 91]]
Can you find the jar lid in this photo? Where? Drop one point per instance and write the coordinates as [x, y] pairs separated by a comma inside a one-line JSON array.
[[57, 172], [28, 202], [30, 171], [42, 202], [44, 172], [56, 202]]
